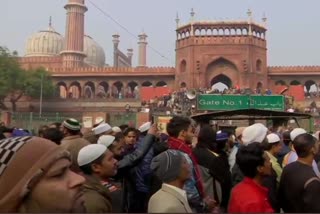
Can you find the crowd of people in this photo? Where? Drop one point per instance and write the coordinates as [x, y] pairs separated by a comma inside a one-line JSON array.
[[192, 168]]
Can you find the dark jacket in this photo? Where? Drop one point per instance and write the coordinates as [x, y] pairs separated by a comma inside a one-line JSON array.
[[96, 196], [127, 174], [218, 168]]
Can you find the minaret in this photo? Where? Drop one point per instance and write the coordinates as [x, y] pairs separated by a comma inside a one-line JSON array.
[[249, 13], [177, 20], [116, 42], [130, 54], [142, 50], [73, 54], [264, 20]]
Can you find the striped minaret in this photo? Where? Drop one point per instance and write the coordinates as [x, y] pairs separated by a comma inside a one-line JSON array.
[[73, 54]]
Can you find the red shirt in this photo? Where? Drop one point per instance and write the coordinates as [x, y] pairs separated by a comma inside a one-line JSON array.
[[249, 197]]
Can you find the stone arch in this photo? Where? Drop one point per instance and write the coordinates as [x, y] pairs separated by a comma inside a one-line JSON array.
[[147, 84], [62, 90], [280, 82], [102, 90], [183, 66], [295, 82], [238, 32], [259, 65], [179, 36], [89, 90], [220, 32], [233, 32], [117, 89], [203, 32], [132, 88], [245, 31], [209, 32], [74, 90], [197, 32], [310, 86], [224, 67], [187, 34], [215, 32], [183, 35], [220, 82], [227, 32], [161, 84]]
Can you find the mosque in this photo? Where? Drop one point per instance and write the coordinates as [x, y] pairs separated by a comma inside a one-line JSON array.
[[207, 52]]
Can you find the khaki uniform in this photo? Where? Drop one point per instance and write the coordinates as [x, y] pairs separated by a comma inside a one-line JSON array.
[[96, 196]]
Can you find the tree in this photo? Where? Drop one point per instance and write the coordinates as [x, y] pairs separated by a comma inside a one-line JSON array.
[[16, 82]]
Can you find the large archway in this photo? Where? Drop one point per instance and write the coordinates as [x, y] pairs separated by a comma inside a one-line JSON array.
[[146, 84], [221, 71], [62, 90], [132, 89], [220, 82], [102, 90], [310, 87], [74, 90], [89, 90], [117, 90]]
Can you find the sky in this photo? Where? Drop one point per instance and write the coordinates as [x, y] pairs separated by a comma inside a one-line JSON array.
[[293, 36]]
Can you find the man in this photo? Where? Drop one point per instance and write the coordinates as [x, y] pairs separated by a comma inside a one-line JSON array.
[[172, 168], [249, 196], [100, 130], [181, 134], [292, 155], [97, 164], [273, 147], [35, 177], [130, 137], [254, 133], [299, 184], [73, 141], [115, 130], [114, 144]]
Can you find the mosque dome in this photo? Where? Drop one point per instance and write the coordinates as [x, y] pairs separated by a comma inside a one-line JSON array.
[[94, 52], [44, 43]]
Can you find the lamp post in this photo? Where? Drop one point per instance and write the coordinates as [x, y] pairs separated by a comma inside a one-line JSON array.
[[41, 91]]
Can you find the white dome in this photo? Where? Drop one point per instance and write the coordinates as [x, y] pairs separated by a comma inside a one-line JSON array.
[[95, 53], [44, 43]]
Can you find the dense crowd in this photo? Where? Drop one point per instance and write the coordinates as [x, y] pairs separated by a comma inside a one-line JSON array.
[[192, 168]]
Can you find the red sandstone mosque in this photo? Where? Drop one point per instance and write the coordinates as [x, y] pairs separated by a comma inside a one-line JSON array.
[[230, 52]]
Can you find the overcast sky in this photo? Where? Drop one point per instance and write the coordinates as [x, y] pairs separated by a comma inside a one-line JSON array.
[[293, 25]]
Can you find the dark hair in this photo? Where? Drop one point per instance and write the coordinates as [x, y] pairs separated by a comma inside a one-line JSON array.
[[128, 130], [177, 124], [249, 158], [42, 129], [267, 146], [56, 124], [73, 132], [118, 136], [123, 127], [87, 169], [206, 137], [54, 135], [303, 144], [286, 138]]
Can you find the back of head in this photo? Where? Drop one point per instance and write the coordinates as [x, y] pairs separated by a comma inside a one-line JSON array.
[[286, 138], [249, 158], [206, 137], [296, 132], [177, 124], [72, 125], [303, 144], [24, 160], [53, 134]]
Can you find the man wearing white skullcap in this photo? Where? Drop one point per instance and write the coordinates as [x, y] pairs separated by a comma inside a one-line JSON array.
[[93, 135], [292, 155], [114, 143], [273, 147], [97, 164]]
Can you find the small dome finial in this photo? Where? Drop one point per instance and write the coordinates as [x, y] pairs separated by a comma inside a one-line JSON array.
[[177, 20], [249, 13], [192, 13], [50, 21], [264, 17]]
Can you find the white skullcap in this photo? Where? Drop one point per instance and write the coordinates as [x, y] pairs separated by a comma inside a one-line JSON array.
[[90, 153], [106, 140], [273, 138], [103, 127], [145, 127], [295, 132], [254, 133], [116, 129]]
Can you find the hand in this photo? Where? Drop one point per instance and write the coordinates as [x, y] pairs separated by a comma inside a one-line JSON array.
[[153, 130], [210, 202]]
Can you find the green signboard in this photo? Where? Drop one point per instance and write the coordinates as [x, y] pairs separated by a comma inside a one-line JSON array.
[[234, 102]]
